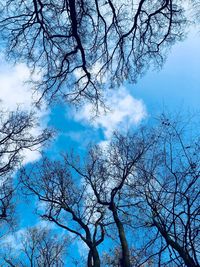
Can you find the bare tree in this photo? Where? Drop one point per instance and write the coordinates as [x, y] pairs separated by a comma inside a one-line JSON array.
[[76, 44], [15, 139], [171, 196], [108, 173], [68, 204], [112, 258], [144, 185], [38, 247], [153, 178]]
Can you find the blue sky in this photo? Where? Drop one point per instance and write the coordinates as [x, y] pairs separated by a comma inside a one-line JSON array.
[[176, 87]]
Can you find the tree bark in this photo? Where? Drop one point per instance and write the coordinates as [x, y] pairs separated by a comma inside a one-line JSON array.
[[93, 258], [122, 237], [188, 260], [89, 260]]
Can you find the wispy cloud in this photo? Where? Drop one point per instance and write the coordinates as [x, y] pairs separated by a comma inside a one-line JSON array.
[[125, 112], [15, 93]]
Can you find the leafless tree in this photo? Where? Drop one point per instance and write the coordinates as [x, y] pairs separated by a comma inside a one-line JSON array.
[[111, 258], [77, 44], [144, 185], [15, 139], [153, 178], [170, 190], [37, 247], [108, 172], [67, 204]]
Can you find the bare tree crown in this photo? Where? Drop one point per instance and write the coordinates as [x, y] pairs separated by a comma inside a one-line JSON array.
[[77, 45]]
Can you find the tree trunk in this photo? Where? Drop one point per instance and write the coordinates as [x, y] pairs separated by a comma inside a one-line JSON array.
[[188, 260], [122, 237], [93, 258], [89, 260], [96, 259]]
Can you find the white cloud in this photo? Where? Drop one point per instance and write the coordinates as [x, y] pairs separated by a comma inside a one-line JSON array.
[[125, 111], [14, 240], [15, 93]]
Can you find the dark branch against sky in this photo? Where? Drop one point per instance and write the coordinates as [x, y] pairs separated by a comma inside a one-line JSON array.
[[76, 44], [132, 200]]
